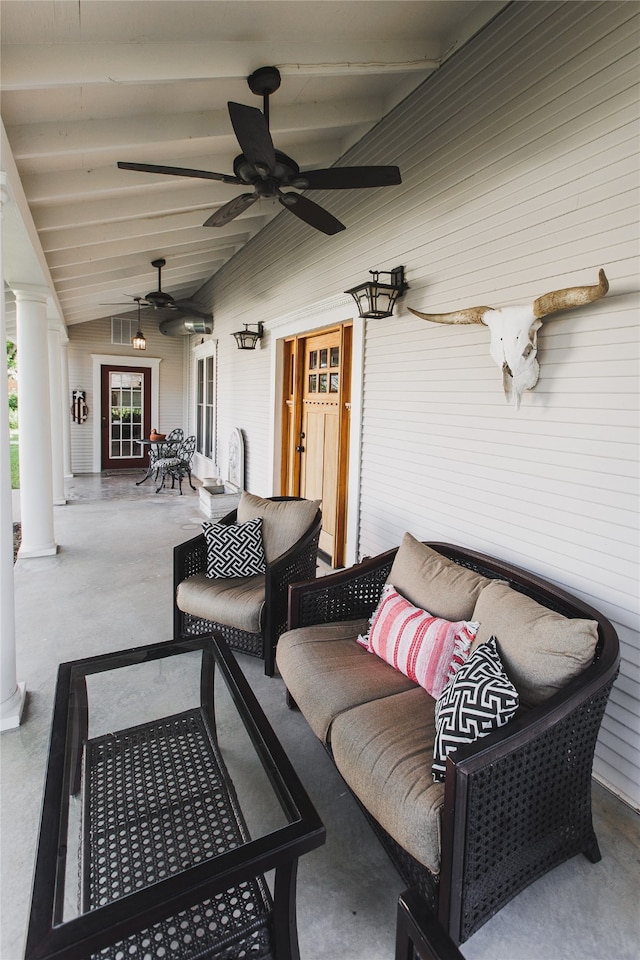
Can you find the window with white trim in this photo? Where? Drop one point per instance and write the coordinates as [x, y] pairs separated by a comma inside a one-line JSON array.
[[205, 387], [123, 330]]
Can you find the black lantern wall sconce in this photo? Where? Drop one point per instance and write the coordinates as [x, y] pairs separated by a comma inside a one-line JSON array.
[[375, 299], [247, 339]]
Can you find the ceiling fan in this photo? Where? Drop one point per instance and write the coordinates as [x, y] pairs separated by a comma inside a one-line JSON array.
[[160, 300], [268, 170]]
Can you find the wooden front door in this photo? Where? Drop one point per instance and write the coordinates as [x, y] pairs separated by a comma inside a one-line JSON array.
[[125, 416], [316, 429]]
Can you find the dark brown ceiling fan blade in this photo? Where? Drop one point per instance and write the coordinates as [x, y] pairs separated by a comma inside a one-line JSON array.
[[252, 130], [125, 303], [229, 211], [347, 178], [311, 213], [177, 171]]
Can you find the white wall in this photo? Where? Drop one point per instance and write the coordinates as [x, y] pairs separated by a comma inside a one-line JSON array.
[[520, 176], [94, 337]]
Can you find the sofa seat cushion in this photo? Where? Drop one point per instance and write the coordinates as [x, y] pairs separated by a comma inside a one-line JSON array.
[[384, 750], [327, 671], [235, 601]]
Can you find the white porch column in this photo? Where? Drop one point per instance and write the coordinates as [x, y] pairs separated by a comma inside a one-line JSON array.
[[55, 405], [36, 485], [66, 405], [12, 693]]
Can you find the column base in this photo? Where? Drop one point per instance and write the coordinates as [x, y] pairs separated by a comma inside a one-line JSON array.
[[24, 553], [11, 711]]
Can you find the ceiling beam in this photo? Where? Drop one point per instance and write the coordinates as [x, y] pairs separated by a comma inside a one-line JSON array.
[[42, 66], [192, 131]]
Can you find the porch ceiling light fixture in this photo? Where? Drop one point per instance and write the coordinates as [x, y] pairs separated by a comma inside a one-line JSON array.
[[138, 341], [376, 300], [247, 339]]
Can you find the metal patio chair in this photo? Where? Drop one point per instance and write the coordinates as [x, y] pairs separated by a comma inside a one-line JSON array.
[[177, 465]]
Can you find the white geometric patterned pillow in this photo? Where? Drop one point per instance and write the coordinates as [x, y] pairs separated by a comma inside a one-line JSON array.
[[235, 550], [480, 698]]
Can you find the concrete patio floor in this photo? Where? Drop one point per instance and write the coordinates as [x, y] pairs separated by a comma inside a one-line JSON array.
[[108, 588]]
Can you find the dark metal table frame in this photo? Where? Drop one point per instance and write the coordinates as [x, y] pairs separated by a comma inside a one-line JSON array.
[[109, 923], [171, 448]]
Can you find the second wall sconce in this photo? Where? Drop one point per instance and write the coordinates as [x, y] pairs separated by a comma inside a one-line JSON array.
[[247, 339], [375, 299]]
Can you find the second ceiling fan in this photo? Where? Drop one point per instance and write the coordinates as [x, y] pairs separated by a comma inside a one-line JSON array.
[[268, 170]]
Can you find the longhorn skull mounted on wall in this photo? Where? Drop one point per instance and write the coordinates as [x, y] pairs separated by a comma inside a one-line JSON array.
[[514, 331]]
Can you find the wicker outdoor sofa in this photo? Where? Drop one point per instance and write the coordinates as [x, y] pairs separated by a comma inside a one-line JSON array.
[[514, 803]]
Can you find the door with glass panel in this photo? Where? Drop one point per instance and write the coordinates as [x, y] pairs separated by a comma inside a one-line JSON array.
[[316, 412], [125, 416]]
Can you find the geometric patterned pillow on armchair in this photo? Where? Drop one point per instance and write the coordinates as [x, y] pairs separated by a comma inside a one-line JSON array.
[[235, 550], [479, 699]]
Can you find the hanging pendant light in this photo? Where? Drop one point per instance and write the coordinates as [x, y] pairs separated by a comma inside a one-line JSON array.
[[138, 341]]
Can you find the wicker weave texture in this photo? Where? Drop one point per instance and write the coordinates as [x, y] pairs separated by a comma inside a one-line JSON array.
[[348, 600], [301, 566], [541, 821], [157, 800], [239, 640]]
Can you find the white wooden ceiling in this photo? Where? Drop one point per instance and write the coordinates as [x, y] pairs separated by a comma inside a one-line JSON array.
[[86, 83]]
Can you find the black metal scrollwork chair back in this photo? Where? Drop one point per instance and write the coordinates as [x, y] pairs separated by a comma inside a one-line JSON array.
[[177, 465]]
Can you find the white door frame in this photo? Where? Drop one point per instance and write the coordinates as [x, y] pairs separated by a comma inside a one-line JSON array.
[[329, 313], [113, 360]]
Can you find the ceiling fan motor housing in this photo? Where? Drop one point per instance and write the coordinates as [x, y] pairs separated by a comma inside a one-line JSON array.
[[264, 81]]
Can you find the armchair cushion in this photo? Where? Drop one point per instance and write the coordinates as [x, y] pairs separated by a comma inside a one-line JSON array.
[[542, 650], [426, 649], [435, 583], [283, 521], [235, 550], [479, 699], [235, 601]]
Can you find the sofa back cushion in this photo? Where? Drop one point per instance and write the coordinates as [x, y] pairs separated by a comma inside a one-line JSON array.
[[434, 582], [283, 521], [541, 650]]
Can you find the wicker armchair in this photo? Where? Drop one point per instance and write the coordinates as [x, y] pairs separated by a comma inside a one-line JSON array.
[[518, 802], [297, 563]]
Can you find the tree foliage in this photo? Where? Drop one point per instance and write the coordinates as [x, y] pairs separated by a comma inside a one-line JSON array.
[[12, 352]]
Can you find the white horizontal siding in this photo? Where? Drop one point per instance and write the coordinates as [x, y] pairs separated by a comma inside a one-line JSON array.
[[519, 161]]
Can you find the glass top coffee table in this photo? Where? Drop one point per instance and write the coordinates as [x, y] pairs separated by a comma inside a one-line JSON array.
[[172, 820]]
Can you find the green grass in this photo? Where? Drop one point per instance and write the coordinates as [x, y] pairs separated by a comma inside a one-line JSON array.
[[15, 466]]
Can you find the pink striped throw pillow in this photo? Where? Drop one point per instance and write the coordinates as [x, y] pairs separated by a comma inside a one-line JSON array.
[[428, 650]]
